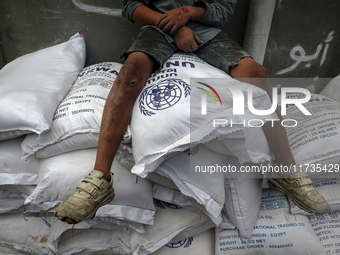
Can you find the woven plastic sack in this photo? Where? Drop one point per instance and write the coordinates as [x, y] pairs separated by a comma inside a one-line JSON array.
[[32, 86], [332, 89], [170, 106], [59, 176], [76, 122], [277, 232]]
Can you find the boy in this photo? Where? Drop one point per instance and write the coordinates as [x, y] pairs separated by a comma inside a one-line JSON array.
[[189, 26]]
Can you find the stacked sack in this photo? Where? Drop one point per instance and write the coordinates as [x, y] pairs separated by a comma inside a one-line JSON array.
[[31, 88], [70, 147], [282, 227], [51, 109], [50, 115]]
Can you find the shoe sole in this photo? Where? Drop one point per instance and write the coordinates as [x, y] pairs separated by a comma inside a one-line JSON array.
[[273, 184]]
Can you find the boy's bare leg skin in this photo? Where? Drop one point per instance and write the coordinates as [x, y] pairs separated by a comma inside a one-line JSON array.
[[118, 109], [296, 185], [276, 135]]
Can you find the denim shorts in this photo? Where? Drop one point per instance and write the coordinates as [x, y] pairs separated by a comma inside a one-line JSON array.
[[221, 52]]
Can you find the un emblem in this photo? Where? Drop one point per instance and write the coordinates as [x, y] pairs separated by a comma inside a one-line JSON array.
[[181, 244], [162, 95]]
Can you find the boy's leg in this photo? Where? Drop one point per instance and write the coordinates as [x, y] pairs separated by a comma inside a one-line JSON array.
[[118, 108], [227, 55], [256, 74], [148, 52], [296, 185], [96, 190]]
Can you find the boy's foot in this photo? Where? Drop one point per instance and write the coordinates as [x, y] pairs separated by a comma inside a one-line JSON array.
[[298, 187], [93, 192]]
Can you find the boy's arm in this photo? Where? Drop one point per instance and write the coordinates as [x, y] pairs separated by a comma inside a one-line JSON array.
[[145, 16], [137, 11], [213, 13], [217, 12], [186, 39], [171, 21]]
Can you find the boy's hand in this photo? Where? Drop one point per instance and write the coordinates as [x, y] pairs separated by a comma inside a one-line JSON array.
[[171, 21], [186, 39]]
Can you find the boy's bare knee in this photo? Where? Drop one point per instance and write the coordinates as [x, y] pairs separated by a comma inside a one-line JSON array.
[[128, 75], [255, 70], [136, 70], [248, 68], [250, 71], [130, 80], [259, 71]]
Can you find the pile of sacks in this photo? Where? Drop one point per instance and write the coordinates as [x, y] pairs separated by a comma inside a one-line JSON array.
[[50, 114]]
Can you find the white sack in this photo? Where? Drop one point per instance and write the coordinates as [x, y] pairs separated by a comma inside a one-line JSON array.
[[240, 192], [62, 173], [248, 145], [205, 188], [170, 221], [9, 251], [74, 240], [200, 244], [28, 235], [14, 170], [277, 232], [170, 106], [33, 85], [12, 197], [76, 122], [162, 180], [315, 141], [10, 202], [18, 178], [175, 197], [332, 89], [243, 193], [327, 228]]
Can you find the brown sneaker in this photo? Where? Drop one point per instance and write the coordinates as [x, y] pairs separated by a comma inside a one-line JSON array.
[[93, 192], [298, 187]]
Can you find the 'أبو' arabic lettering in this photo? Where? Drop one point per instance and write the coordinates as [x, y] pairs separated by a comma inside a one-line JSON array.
[[299, 55]]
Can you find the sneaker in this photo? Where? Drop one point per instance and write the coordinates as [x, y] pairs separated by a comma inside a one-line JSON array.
[[93, 192], [298, 187]]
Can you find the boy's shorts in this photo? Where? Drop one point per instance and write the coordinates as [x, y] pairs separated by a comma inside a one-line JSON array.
[[221, 52]]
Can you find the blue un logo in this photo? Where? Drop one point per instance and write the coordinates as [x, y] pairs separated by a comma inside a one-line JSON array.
[[162, 95], [181, 244]]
